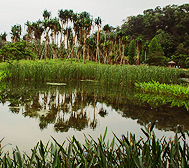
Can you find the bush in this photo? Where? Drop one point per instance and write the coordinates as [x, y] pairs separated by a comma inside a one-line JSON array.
[[16, 51]]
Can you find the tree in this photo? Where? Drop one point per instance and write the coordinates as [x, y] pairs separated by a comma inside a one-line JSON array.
[[76, 30], [46, 24], [145, 48], [86, 23], [55, 28], [107, 29], [16, 33], [62, 20], [3, 38], [155, 56], [132, 51], [124, 41], [38, 30], [29, 35], [139, 44], [68, 16], [98, 22]]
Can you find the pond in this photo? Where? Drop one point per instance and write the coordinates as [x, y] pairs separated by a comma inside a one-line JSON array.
[[30, 112]]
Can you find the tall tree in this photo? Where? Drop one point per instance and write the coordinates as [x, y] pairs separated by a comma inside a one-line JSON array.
[[63, 21], [107, 29], [46, 24], [98, 22], [16, 33], [86, 23], [37, 28], [155, 56], [132, 51], [138, 45]]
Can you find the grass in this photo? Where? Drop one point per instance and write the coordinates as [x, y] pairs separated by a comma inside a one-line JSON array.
[[60, 71], [120, 152]]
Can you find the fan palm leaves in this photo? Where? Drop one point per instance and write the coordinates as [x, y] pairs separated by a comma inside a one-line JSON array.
[[16, 33]]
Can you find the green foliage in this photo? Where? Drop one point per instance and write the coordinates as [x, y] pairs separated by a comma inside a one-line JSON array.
[[132, 51], [155, 56], [168, 24], [16, 51], [156, 87], [125, 152]]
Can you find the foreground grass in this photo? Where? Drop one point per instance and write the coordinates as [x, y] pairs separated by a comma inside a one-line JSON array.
[[120, 152], [60, 71]]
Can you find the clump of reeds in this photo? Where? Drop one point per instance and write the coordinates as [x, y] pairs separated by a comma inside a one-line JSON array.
[[120, 152], [110, 74]]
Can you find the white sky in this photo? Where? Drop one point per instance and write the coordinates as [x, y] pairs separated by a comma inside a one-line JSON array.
[[111, 11]]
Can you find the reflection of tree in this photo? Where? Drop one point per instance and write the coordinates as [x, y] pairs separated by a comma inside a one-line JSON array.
[[93, 123], [65, 107], [78, 121], [61, 124]]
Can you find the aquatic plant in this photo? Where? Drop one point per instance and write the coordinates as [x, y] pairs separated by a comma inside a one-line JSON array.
[[60, 71], [171, 89], [120, 152]]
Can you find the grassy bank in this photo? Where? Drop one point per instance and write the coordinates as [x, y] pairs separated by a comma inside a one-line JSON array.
[[120, 152], [60, 71]]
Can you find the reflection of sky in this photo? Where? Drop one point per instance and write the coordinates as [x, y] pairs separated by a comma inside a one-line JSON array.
[[25, 132]]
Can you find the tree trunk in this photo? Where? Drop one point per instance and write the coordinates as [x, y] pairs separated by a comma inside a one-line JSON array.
[[122, 55], [97, 49], [145, 55], [84, 47], [73, 48], [138, 53], [61, 33]]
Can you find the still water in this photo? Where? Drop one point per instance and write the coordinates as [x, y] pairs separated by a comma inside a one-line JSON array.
[[30, 112]]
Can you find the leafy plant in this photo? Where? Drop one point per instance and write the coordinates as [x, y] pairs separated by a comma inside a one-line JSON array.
[[125, 152], [16, 51]]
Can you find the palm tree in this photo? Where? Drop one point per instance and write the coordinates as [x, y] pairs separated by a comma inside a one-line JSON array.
[[4, 38], [46, 24], [86, 23], [16, 33], [62, 20], [55, 27], [98, 22], [29, 35], [107, 45], [76, 30], [38, 30], [112, 39], [68, 17], [106, 29]]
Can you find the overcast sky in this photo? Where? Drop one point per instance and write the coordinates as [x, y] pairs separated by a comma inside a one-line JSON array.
[[110, 11]]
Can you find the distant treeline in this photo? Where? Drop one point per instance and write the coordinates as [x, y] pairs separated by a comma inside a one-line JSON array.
[[158, 36]]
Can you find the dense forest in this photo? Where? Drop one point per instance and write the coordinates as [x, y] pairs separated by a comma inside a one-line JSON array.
[[155, 37]]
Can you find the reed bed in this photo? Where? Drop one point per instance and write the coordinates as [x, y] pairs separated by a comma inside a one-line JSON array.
[[120, 152], [109, 74]]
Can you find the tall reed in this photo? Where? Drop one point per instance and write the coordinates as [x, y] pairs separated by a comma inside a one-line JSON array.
[[110, 74]]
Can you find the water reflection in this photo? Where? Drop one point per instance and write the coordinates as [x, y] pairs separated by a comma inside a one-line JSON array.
[[77, 104]]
